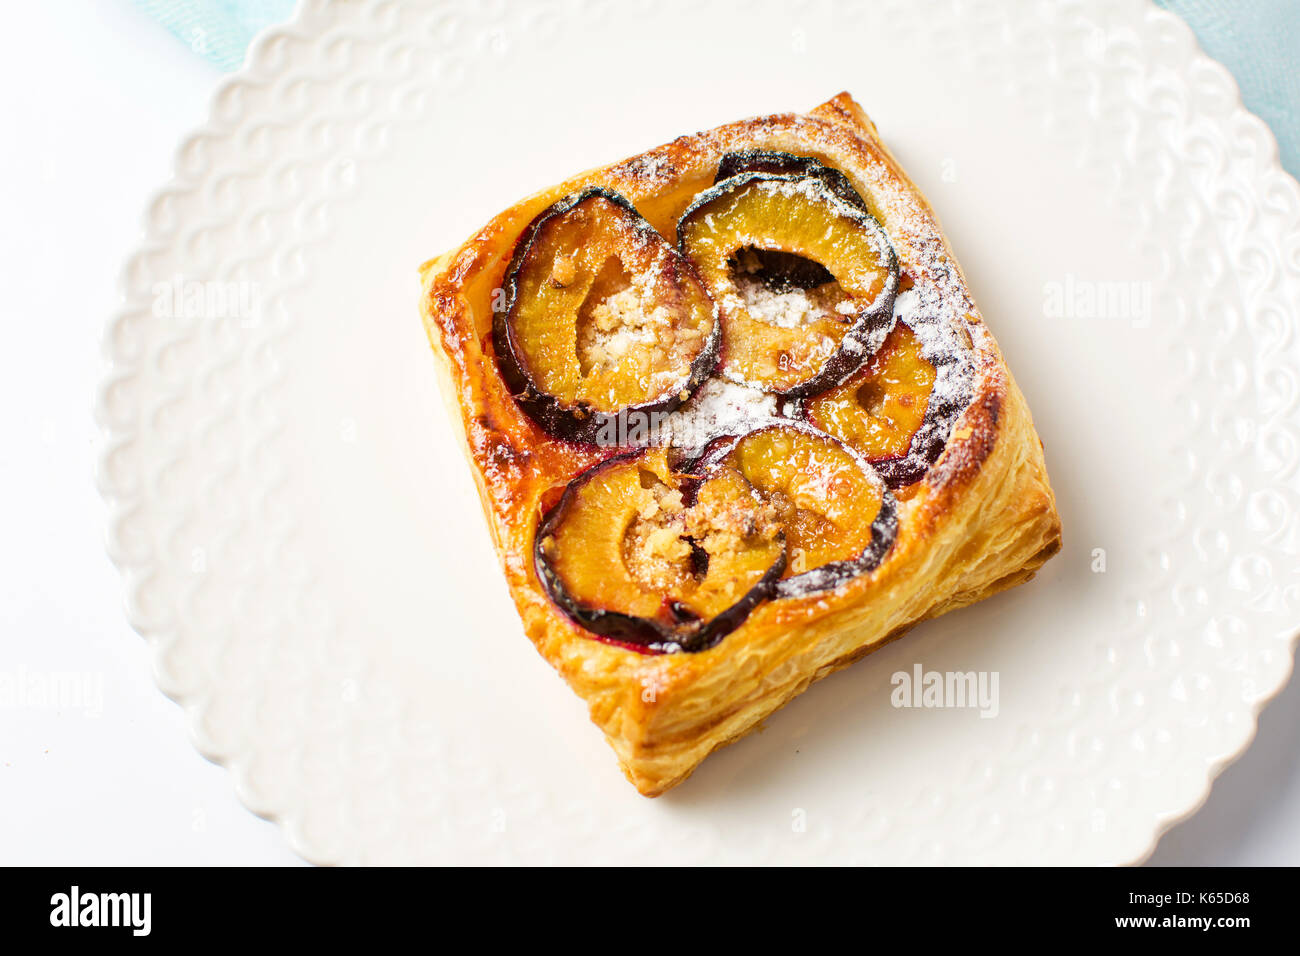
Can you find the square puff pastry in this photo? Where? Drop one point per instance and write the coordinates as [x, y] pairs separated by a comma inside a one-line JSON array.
[[981, 519]]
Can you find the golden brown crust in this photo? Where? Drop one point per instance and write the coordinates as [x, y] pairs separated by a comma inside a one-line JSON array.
[[982, 520]]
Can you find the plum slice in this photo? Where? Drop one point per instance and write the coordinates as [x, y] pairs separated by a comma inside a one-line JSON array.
[[804, 278], [880, 409], [838, 517], [660, 560], [642, 556], [788, 164], [894, 411], [601, 317]]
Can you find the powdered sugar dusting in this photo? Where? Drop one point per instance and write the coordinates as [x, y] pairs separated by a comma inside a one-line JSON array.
[[650, 167], [809, 188], [721, 407], [935, 309], [787, 308]]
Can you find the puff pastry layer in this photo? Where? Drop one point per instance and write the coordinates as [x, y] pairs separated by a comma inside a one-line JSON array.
[[974, 511]]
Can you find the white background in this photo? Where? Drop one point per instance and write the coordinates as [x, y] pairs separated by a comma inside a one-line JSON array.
[[95, 98]]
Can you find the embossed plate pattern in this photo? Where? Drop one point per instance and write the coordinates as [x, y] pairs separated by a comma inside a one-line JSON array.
[[302, 547]]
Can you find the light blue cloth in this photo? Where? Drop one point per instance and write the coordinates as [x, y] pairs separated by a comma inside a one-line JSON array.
[[1258, 40], [220, 30]]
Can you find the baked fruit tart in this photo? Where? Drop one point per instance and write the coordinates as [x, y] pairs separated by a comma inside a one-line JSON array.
[[735, 421]]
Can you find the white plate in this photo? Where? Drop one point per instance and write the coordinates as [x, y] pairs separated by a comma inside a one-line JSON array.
[[303, 548]]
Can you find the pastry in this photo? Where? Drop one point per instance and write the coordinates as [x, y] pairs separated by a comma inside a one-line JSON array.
[[735, 422]]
